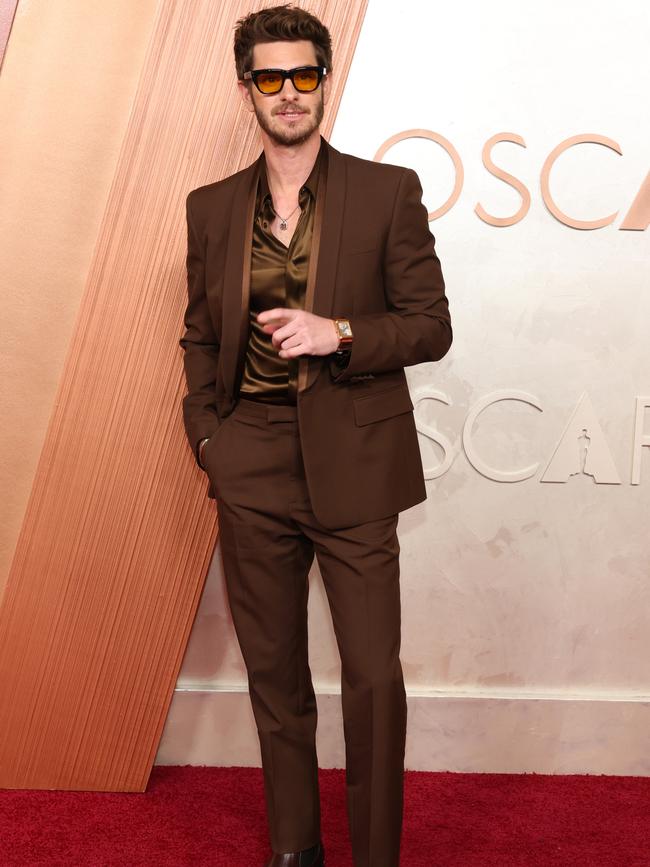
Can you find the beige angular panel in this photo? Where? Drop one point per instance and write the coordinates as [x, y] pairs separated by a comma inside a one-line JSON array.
[[118, 533]]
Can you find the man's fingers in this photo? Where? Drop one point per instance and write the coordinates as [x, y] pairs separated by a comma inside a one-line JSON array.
[[292, 352], [271, 327], [296, 329], [290, 342], [282, 333], [276, 315]]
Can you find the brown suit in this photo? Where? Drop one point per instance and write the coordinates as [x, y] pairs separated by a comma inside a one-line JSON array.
[[373, 261], [326, 476]]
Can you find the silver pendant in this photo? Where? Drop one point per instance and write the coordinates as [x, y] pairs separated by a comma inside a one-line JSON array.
[[283, 225]]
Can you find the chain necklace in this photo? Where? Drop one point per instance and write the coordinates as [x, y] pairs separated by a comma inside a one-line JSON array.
[[283, 220]]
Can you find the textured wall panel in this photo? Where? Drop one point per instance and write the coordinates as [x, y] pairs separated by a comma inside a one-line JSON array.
[[119, 533]]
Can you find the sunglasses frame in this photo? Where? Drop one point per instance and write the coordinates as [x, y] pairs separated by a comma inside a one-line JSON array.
[[253, 74]]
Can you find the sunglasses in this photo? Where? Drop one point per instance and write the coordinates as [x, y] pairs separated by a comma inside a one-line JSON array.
[[304, 78]]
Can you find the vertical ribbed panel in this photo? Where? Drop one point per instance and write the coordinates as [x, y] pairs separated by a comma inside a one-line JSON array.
[[119, 533]]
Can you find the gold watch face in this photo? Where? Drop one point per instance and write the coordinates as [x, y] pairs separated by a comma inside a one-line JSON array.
[[344, 328]]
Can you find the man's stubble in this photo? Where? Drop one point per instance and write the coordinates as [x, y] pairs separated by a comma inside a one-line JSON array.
[[288, 136]]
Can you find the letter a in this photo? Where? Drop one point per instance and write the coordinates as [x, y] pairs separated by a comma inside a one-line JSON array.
[[582, 449]]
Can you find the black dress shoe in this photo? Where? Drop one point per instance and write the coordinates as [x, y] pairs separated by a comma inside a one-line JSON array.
[[312, 857]]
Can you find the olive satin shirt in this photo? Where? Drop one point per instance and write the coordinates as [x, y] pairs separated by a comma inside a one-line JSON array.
[[278, 279]]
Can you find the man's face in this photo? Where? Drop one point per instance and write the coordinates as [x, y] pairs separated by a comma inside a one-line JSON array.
[[288, 117]]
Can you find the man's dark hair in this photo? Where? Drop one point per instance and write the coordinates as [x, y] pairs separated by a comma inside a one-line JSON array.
[[285, 23]]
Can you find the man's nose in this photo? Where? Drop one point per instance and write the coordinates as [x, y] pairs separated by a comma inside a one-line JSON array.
[[289, 101]]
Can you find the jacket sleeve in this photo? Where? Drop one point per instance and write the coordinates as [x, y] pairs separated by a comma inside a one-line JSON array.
[[200, 345], [417, 325]]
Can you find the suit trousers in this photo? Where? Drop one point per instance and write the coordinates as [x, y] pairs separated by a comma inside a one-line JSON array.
[[268, 537]]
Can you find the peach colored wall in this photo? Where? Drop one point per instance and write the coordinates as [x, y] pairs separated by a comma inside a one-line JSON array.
[[66, 89], [115, 542]]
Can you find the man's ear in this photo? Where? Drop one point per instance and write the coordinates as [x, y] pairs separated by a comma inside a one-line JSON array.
[[245, 94]]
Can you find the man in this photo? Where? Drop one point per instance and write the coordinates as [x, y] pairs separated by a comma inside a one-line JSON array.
[[312, 281]]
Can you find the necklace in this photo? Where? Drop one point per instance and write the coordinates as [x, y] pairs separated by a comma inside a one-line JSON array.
[[283, 220]]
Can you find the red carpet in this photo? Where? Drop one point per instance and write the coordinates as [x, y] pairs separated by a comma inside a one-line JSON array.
[[195, 817]]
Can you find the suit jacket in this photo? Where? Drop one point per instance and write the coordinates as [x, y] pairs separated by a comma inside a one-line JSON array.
[[372, 261]]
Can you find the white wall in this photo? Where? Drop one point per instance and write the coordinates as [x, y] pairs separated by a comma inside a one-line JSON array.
[[542, 585]]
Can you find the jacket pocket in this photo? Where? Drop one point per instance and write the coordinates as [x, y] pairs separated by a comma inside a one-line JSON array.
[[382, 404]]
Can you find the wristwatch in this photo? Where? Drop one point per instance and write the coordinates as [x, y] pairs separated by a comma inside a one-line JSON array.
[[344, 332]]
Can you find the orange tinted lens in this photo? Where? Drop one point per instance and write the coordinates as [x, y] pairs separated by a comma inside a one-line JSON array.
[[269, 82], [307, 79]]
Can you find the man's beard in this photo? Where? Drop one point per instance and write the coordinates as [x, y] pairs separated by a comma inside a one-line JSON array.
[[288, 135]]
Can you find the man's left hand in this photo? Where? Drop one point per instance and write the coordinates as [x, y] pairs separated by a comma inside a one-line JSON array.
[[296, 332]]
